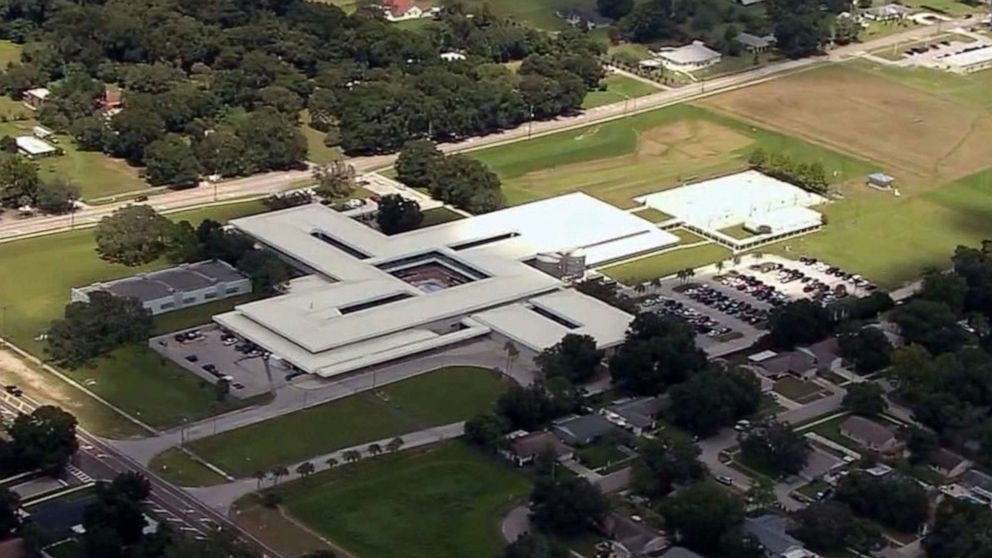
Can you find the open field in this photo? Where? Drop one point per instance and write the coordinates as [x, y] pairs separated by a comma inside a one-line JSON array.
[[539, 14], [96, 174], [645, 153], [618, 88], [183, 470], [280, 532], [128, 375], [913, 135], [972, 89], [9, 52], [377, 506], [396, 409], [317, 152], [952, 7], [666, 263]]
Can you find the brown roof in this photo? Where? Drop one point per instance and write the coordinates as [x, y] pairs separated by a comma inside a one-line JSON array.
[[535, 443], [946, 460], [792, 361], [867, 431], [12, 548], [826, 350]]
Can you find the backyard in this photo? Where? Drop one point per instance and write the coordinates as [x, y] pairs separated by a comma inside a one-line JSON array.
[[379, 504], [414, 404]]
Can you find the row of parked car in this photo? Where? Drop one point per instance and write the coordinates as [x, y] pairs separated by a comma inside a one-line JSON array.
[[727, 304], [704, 325], [834, 271], [753, 286]]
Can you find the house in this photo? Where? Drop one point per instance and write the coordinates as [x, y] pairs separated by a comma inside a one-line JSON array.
[[772, 533], [33, 98], [825, 353], [949, 464], [524, 449], [44, 133], [638, 539], [870, 434], [583, 19], [33, 148], [582, 430], [887, 12], [689, 58], [112, 99], [680, 552], [793, 363], [978, 486], [881, 180], [403, 10], [637, 415], [754, 43]]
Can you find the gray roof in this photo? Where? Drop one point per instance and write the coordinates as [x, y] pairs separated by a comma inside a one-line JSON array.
[[639, 412], [160, 284], [977, 479], [867, 431], [140, 288], [535, 443], [217, 270], [771, 531], [583, 429], [182, 280], [792, 361], [755, 41], [679, 552]]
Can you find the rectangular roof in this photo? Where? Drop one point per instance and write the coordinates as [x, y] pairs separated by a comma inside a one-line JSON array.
[[34, 146], [694, 53], [969, 57]]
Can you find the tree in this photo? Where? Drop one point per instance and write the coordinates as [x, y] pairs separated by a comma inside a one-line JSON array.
[[922, 444], [331, 462], [961, 530], [575, 358], [486, 431], [664, 464], [931, 324], [829, 526], [394, 445], [222, 153], [416, 163], [534, 545], [867, 348], [133, 235], [614, 9], [19, 181], [466, 183], [57, 196], [278, 472], [259, 477], [512, 353], [659, 351], [950, 289], [714, 398], [775, 447], [761, 494], [90, 329], [132, 130], [170, 161], [526, 408], [864, 398], [10, 519], [701, 515], [352, 456], [398, 214], [799, 322], [272, 141], [305, 469], [266, 270], [334, 180], [895, 502], [568, 506], [374, 449]]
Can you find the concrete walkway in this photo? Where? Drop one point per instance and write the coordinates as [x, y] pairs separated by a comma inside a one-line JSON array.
[[483, 353], [221, 497], [515, 524]]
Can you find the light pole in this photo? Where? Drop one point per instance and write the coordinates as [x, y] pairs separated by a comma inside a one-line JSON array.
[[3, 326], [530, 122]]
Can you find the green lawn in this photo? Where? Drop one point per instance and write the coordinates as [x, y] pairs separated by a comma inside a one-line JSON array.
[[600, 454], [9, 52], [128, 375], [686, 236], [96, 174], [198, 315], [665, 264], [183, 470], [738, 232], [539, 14], [952, 7], [972, 89], [631, 53], [420, 402], [797, 390], [618, 88], [439, 215], [621, 159], [317, 151], [653, 215], [445, 502]]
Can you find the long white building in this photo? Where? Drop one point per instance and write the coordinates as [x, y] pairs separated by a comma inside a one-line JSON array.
[[369, 298]]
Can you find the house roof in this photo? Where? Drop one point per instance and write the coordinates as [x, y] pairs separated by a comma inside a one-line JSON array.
[[537, 442], [160, 284], [639, 412], [867, 431], [881, 178], [976, 479], [636, 537], [889, 10], [755, 41], [947, 460], [679, 552], [771, 531], [792, 361], [826, 350], [694, 53], [581, 429]]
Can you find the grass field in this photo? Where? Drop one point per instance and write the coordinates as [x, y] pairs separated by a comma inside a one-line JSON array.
[[645, 153], [9, 52], [96, 174], [128, 375], [653, 215], [539, 14], [317, 152], [618, 88], [911, 134], [667, 263], [378, 506], [952, 7], [183, 470], [396, 409]]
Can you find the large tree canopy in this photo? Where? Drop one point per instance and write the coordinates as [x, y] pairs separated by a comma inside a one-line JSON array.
[[133, 235]]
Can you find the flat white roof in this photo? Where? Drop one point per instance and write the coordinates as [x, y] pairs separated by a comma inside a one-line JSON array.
[[785, 220], [352, 304], [730, 200], [694, 53], [34, 146], [969, 58]]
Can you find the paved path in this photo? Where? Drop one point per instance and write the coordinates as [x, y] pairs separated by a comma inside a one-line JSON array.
[[515, 524], [484, 353], [221, 497]]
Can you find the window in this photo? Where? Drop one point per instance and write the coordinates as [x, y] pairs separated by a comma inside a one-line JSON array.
[[210, 295]]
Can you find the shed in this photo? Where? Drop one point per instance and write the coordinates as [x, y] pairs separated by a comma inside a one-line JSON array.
[[881, 180]]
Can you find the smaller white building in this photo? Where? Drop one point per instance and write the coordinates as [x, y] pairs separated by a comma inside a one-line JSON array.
[[33, 147], [887, 12], [689, 58], [974, 59], [405, 10], [33, 98]]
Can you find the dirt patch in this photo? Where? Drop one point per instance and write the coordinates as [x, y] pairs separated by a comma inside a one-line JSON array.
[[908, 132], [692, 138]]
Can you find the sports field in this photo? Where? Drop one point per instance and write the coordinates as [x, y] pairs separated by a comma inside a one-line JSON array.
[[914, 135], [396, 409], [127, 376], [621, 159], [378, 506], [618, 89]]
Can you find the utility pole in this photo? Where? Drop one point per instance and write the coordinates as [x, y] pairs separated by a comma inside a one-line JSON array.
[[3, 326]]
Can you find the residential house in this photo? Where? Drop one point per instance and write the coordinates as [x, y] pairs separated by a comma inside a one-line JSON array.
[[524, 448], [978, 486], [111, 100], [582, 430], [404, 10], [754, 43], [792, 363], [33, 98], [949, 463], [826, 353], [689, 58], [637, 415], [772, 533], [887, 12], [638, 539], [870, 434]]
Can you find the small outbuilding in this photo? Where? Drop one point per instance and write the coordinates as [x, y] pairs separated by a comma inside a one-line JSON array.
[[881, 180]]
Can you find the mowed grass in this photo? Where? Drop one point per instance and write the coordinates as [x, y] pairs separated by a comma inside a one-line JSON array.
[[621, 159], [444, 502], [96, 174], [539, 14], [972, 89], [183, 470], [317, 152], [35, 281], [618, 89], [9, 52], [666, 263], [440, 397]]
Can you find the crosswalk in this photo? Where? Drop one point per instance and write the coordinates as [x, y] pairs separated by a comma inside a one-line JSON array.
[[78, 474]]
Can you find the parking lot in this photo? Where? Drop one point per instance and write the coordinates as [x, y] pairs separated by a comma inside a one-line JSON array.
[[212, 355]]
